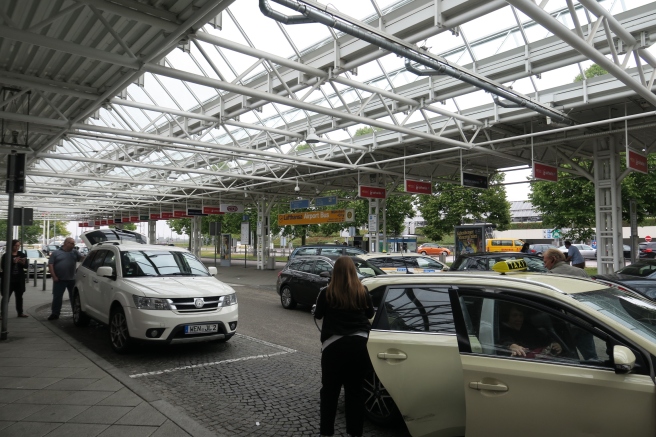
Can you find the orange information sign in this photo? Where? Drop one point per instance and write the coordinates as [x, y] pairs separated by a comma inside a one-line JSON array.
[[312, 217]]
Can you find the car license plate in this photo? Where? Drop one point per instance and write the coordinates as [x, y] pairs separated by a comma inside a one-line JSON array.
[[201, 329]]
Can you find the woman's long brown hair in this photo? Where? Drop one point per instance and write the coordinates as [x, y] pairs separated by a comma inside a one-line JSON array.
[[345, 291]]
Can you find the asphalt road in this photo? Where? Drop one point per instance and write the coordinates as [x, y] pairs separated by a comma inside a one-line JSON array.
[[265, 381]]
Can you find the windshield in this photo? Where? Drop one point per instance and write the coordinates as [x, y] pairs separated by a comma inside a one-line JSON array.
[[136, 263], [637, 314], [643, 269], [34, 253]]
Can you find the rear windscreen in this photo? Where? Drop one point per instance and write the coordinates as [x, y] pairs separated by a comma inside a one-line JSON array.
[[99, 236]]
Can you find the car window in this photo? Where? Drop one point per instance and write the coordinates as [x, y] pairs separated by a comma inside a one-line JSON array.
[[307, 251], [331, 251], [518, 243], [353, 252], [508, 329], [322, 266], [497, 243], [428, 263], [306, 266], [98, 260], [586, 247], [110, 260], [367, 269], [295, 265], [406, 261], [89, 259], [34, 253], [421, 309]]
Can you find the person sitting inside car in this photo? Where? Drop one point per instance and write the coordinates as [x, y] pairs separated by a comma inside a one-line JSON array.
[[521, 338]]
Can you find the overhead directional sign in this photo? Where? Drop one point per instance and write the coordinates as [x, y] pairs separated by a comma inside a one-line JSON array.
[[474, 180], [214, 210], [195, 211], [418, 187], [636, 161], [325, 201], [371, 192], [299, 204], [231, 207], [155, 216], [545, 172], [312, 217]]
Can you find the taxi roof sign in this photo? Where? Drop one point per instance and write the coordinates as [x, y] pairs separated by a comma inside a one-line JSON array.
[[510, 266]]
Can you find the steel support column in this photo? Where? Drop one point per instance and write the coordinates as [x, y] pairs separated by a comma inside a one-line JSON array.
[[608, 205], [152, 231]]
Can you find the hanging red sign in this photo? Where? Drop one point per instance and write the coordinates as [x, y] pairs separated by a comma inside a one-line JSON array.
[[110, 221], [83, 225], [418, 187], [371, 192], [179, 214], [167, 215], [636, 161], [103, 222], [214, 210], [545, 172], [134, 219], [155, 216]]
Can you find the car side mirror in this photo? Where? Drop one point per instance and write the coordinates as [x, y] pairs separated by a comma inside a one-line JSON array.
[[213, 270], [325, 274], [105, 271], [623, 359]]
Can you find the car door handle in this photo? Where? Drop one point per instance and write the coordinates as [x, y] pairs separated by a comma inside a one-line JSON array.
[[95, 281], [490, 387], [84, 276], [390, 356]]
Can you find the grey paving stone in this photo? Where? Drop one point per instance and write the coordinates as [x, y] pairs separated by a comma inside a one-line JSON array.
[[107, 383], [56, 413], [21, 362], [78, 361], [72, 384], [15, 371], [91, 373], [38, 397], [4, 424], [61, 372], [101, 414], [142, 414], [123, 397], [169, 429], [16, 412], [26, 383], [128, 431], [31, 429], [9, 395], [77, 430], [85, 397]]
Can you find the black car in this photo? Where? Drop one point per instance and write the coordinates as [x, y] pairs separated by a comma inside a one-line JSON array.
[[639, 277], [326, 250], [647, 250], [485, 260], [301, 279]]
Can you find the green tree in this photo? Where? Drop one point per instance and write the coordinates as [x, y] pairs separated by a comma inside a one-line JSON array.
[[590, 72], [129, 226], [398, 208], [570, 202], [30, 235], [452, 205], [366, 130]]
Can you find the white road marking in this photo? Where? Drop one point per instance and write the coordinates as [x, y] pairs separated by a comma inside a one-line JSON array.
[[285, 350]]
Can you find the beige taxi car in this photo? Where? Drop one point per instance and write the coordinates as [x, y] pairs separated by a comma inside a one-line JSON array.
[[403, 263], [511, 354]]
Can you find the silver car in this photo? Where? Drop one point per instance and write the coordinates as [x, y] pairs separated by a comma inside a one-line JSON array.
[[588, 252]]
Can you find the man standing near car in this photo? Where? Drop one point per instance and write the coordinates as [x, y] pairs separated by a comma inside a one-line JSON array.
[[574, 255], [62, 263], [554, 261]]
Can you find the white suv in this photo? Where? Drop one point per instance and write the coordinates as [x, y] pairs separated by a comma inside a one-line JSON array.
[[154, 293]]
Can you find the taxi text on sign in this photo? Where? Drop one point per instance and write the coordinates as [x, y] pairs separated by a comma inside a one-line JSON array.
[[418, 187], [636, 161], [371, 192], [545, 172], [312, 217]]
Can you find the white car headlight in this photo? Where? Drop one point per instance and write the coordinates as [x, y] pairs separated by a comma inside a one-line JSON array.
[[150, 303], [230, 299]]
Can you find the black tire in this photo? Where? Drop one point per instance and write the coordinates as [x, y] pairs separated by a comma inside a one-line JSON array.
[[119, 335], [80, 318], [379, 407], [286, 298]]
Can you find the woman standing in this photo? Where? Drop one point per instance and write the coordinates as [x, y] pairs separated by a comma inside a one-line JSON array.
[[346, 307], [16, 275]]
